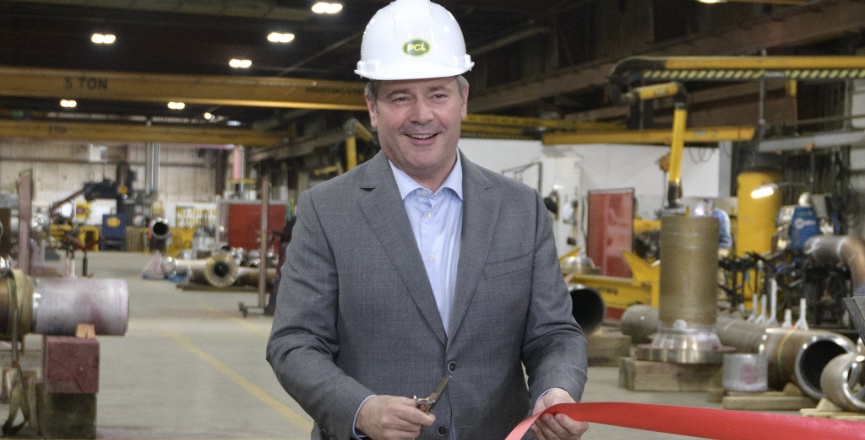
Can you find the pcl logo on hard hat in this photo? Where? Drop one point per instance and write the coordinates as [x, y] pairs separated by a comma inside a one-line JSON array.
[[416, 47]]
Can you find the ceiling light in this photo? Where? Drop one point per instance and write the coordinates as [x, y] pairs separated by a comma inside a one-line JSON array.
[[234, 123], [765, 190], [68, 103], [208, 115], [240, 64], [280, 37], [176, 105], [712, 1], [327, 7], [103, 38]]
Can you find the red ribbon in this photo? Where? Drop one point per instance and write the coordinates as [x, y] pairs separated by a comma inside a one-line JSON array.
[[702, 422]]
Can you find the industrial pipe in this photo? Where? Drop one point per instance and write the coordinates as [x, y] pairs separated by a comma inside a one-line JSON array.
[[159, 229], [688, 311], [797, 356], [839, 378], [249, 276], [588, 307], [218, 271], [55, 306], [847, 250]]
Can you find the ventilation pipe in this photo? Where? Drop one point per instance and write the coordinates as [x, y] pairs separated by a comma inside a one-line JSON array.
[[847, 250]]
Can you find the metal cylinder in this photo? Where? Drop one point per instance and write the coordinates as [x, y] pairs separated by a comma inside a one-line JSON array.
[[60, 304], [800, 356], [831, 250], [249, 276], [160, 230], [218, 271], [841, 379], [689, 271], [639, 322], [588, 307], [688, 297], [745, 372]]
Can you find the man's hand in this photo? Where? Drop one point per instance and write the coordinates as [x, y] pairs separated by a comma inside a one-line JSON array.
[[391, 417], [559, 426]]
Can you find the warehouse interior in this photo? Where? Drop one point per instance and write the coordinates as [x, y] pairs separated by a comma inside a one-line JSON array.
[[152, 151]]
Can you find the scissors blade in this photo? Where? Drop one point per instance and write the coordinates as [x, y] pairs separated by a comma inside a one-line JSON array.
[[440, 388]]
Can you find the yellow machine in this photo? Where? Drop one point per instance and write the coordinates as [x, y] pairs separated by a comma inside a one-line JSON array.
[[620, 293]]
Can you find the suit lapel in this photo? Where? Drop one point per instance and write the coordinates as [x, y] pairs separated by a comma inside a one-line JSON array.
[[481, 202], [384, 210]]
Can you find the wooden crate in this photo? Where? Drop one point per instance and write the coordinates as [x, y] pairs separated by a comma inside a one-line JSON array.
[[637, 375]]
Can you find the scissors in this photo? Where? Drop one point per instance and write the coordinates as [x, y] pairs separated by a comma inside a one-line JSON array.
[[426, 404]]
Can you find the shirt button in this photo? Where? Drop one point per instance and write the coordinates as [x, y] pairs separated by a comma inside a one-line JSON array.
[[432, 257], [442, 430], [452, 366], [429, 214]]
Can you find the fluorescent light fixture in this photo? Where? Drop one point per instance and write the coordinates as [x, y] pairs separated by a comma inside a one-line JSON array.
[[234, 123], [711, 2], [240, 64], [280, 37], [765, 190], [68, 103], [103, 38], [176, 105], [327, 8]]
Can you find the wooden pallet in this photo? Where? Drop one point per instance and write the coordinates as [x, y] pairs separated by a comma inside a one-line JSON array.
[[828, 410], [790, 399], [638, 375], [606, 346]]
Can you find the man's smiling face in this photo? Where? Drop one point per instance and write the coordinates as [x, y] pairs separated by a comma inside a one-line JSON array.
[[418, 124]]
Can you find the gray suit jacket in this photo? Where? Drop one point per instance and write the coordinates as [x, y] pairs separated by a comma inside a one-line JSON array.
[[356, 314]]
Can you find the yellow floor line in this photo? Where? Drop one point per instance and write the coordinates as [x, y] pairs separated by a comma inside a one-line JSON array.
[[301, 422]]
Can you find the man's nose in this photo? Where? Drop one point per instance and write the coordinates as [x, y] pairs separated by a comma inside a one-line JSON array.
[[421, 112]]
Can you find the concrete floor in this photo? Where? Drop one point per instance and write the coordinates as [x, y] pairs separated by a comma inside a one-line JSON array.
[[191, 366]]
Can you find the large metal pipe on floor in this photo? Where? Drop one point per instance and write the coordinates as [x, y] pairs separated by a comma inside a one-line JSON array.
[[220, 270], [55, 306]]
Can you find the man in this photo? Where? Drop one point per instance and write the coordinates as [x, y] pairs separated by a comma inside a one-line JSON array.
[[707, 208], [419, 264]]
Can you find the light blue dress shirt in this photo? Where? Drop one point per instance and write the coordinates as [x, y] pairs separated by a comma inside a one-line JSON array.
[[436, 221]]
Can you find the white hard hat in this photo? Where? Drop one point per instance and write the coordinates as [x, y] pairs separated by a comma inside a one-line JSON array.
[[412, 39]]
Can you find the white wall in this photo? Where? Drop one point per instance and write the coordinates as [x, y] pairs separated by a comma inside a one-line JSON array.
[[601, 167]]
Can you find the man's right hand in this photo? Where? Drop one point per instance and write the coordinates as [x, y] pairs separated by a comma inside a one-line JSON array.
[[391, 417]]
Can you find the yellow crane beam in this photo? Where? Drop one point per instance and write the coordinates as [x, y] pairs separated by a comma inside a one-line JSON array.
[[89, 131], [191, 89], [692, 135]]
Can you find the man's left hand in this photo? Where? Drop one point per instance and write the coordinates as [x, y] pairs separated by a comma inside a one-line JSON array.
[[558, 426]]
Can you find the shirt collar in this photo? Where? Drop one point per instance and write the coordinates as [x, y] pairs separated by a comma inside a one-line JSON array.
[[406, 184]]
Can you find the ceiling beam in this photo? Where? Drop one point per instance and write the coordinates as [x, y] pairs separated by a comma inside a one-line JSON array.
[[652, 137], [99, 132], [190, 89], [809, 23]]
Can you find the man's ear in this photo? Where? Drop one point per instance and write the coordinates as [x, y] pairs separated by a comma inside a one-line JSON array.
[[373, 115], [465, 111]]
